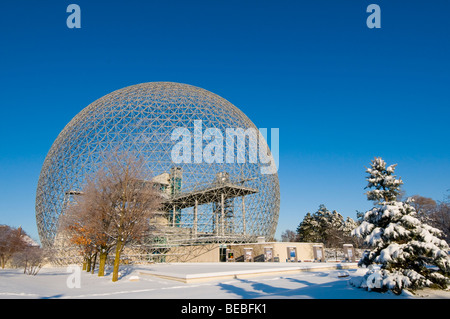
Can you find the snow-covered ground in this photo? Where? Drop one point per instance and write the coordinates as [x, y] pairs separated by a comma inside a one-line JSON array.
[[63, 283]]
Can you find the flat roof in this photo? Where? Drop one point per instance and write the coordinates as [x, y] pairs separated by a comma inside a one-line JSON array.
[[208, 195]]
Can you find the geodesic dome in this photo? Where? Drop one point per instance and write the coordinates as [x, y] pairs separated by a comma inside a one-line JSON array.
[[220, 202]]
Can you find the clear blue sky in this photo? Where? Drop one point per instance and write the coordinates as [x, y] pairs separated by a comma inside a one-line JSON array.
[[339, 92]]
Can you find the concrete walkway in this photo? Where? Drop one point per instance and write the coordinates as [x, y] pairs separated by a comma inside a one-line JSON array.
[[201, 272]]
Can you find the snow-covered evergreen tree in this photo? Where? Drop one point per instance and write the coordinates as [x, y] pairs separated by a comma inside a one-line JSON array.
[[325, 227], [384, 185], [307, 231], [323, 218], [349, 225], [409, 253]]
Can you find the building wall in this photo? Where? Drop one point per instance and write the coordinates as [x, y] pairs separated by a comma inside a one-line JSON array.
[[199, 253], [304, 251], [211, 252]]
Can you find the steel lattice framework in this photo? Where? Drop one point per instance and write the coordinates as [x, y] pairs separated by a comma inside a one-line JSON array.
[[206, 202]]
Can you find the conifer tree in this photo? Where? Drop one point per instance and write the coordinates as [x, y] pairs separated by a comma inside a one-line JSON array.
[[409, 253], [325, 227], [383, 184], [307, 231]]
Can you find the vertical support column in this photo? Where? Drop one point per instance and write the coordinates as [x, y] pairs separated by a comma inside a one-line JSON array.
[[173, 216], [222, 213], [243, 215], [216, 221], [195, 217]]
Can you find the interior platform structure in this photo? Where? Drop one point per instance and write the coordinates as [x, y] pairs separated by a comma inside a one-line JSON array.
[[211, 215]]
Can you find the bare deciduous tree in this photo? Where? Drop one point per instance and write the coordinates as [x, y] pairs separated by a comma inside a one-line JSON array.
[[288, 236], [11, 242], [441, 219], [437, 214], [87, 220], [424, 205], [78, 224], [31, 258], [114, 209], [135, 200]]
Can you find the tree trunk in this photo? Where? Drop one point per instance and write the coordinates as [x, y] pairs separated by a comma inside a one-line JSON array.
[[102, 263], [119, 246], [25, 269], [93, 263], [88, 264]]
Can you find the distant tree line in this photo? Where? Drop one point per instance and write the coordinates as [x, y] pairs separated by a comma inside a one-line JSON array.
[[332, 230]]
